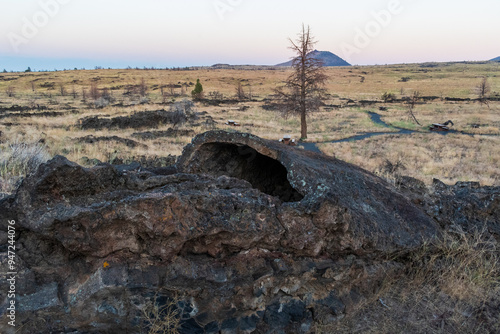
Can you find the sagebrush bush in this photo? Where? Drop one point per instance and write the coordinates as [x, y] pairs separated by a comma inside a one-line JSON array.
[[182, 110], [101, 102], [18, 160]]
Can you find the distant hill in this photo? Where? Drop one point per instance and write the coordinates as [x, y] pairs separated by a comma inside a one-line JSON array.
[[496, 59], [328, 58]]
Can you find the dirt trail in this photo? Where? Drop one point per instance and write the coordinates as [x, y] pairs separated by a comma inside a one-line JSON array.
[[376, 118]]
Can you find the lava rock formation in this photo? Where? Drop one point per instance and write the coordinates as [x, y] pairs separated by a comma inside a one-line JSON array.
[[243, 233]]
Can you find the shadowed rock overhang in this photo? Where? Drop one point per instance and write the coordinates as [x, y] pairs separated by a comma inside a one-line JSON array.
[[336, 195], [243, 162]]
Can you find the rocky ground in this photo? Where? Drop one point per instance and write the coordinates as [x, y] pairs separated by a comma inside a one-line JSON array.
[[241, 235]]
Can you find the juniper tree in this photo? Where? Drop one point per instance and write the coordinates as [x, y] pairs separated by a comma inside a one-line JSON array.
[[197, 92]]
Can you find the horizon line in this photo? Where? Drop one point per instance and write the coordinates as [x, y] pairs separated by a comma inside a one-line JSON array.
[[192, 67]]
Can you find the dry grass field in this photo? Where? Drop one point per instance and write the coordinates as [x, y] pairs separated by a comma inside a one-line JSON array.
[[43, 113]]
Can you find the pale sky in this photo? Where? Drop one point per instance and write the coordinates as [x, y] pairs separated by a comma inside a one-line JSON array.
[[49, 34]]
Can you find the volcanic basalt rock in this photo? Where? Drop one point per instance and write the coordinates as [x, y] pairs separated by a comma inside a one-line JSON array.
[[142, 119], [244, 233], [339, 206], [465, 205]]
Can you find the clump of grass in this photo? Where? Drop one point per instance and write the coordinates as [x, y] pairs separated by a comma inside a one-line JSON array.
[[464, 265], [162, 316], [18, 160], [449, 285]]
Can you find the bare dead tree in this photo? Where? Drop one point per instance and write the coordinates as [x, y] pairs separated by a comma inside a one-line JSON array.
[[482, 91], [84, 95], [62, 89], [184, 88], [410, 106], [304, 89], [73, 92], [163, 94], [142, 88], [171, 88], [166, 93], [9, 91], [94, 91], [240, 93]]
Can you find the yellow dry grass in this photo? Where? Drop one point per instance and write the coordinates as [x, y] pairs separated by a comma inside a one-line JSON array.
[[452, 158], [449, 287]]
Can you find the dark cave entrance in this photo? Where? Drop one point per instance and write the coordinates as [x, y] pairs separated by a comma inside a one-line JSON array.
[[243, 162]]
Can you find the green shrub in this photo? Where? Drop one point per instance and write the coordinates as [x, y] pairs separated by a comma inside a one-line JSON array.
[[197, 92]]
